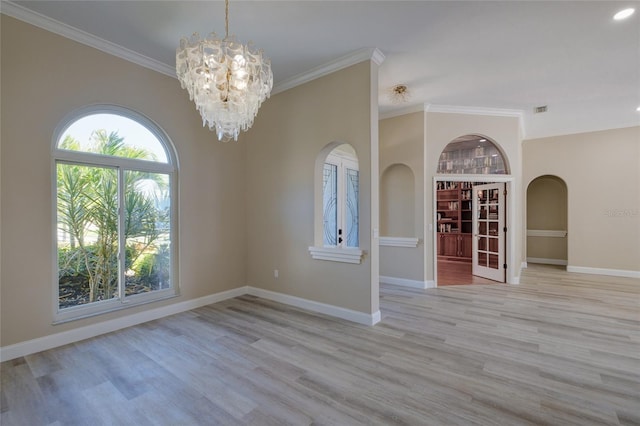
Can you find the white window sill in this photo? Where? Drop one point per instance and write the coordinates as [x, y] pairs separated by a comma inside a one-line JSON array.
[[115, 304], [399, 242], [334, 254]]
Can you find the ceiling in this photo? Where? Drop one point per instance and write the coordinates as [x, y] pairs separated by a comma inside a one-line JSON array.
[[471, 55]]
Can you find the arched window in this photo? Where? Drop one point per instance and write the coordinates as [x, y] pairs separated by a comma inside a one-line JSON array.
[[115, 192], [472, 154], [336, 205]]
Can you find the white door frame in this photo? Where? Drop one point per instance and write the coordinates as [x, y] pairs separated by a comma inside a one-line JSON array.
[[510, 254]]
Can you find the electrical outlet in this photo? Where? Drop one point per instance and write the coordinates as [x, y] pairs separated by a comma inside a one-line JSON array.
[[275, 273]]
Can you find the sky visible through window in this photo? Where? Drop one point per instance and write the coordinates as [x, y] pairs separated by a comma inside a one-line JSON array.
[[135, 134]]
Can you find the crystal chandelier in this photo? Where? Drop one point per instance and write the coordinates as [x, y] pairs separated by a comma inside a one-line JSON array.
[[228, 81]]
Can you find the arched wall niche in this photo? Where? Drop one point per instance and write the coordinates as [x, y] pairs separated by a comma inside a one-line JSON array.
[[397, 201], [473, 154], [547, 224]]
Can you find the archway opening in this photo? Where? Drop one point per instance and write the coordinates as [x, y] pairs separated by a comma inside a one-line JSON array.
[[470, 212]]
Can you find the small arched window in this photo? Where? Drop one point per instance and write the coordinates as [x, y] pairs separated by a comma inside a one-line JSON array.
[[472, 154], [115, 184], [336, 205]]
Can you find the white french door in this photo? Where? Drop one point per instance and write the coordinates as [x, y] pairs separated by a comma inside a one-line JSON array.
[[488, 242]]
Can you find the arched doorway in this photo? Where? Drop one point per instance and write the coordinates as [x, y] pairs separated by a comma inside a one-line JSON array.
[[470, 212], [547, 221]]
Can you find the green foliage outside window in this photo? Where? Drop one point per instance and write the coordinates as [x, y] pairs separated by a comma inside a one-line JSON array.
[[89, 225]]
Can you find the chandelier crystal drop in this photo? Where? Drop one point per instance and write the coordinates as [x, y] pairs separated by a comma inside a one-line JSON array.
[[228, 81]]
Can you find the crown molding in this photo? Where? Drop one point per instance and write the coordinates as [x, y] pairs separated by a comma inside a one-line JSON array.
[[22, 13], [496, 112], [454, 109], [402, 111], [26, 15], [366, 54]]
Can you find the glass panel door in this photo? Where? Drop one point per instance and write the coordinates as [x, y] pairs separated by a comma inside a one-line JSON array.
[[330, 204], [351, 222], [489, 237]]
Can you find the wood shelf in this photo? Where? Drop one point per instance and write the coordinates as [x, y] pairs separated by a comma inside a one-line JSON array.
[[454, 224]]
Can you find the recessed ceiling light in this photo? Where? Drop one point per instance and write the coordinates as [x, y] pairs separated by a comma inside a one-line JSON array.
[[638, 109], [624, 14]]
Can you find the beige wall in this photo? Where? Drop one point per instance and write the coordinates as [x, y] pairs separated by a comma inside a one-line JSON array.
[[287, 137], [45, 77], [442, 128], [602, 173], [402, 143]]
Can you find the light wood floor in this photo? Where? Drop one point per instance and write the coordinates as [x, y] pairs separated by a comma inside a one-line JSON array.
[[558, 349]]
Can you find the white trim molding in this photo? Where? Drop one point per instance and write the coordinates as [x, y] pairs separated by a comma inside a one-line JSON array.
[[401, 111], [322, 308], [497, 112], [29, 16], [399, 242], [544, 261], [86, 332], [404, 282], [552, 233], [356, 57], [454, 109], [604, 271], [345, 255], [66, 337]]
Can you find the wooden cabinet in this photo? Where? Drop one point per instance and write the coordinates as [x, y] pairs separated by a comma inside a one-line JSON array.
[[465, 245], [456, 245], [449, 244], [454, 221]]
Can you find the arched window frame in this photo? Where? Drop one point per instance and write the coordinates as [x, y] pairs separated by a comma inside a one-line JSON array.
[[482, 156], [121, 164], [338, 252]]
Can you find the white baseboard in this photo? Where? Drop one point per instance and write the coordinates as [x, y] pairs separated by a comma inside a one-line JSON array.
[[545, 261], [64, 338], [604, 271], [407, 283], [310, 305], [524, 265]]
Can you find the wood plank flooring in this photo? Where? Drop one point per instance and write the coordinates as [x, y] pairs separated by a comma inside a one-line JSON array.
[[458, 273], [558, 349]]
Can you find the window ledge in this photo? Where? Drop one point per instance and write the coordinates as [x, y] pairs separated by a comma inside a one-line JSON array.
[[334, 254], [399, 241], [103, 307]]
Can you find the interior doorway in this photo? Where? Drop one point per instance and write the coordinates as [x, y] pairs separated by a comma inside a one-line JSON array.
[[470, 215], [471, 232]]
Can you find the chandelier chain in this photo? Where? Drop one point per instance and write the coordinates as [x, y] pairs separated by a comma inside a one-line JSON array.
[[226, 19]]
